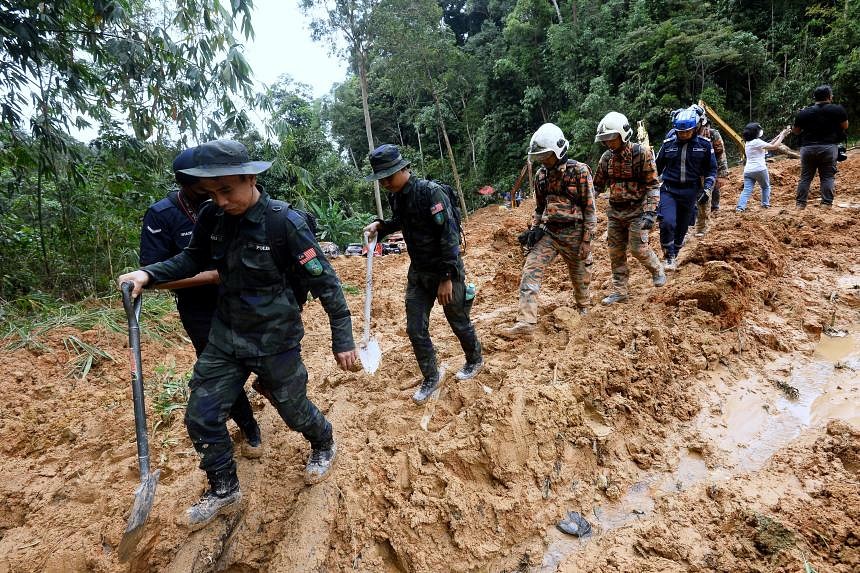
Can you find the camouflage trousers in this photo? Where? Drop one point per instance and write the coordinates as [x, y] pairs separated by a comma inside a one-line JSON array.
[[218, 379], [625, 232], [702, 215], [562, 241], [421, 292]]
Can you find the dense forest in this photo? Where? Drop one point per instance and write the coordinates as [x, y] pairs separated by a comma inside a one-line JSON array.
[[460, 84]]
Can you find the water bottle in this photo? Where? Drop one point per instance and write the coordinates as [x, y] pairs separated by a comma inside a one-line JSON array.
[[471, 289]]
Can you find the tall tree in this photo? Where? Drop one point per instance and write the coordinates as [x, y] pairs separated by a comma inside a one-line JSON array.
[[352, 21]]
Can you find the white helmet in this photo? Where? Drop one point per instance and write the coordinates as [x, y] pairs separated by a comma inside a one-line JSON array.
[[547, 139], [612, 124]]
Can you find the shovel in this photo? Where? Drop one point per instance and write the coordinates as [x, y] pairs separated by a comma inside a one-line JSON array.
[[369, 351], [145, 492]]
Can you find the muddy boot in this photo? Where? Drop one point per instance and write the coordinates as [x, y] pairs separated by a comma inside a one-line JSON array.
[[470, 370], [659, 279], [252, 444], [222, 498], [320, 463], [670, 264], [613, 298], [428, 386], [583, 311], [519, 329]]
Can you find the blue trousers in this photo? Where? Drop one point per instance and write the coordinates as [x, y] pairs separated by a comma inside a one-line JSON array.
[[676, 212]]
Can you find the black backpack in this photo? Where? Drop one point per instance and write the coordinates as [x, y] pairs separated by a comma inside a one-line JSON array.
[[454, 200], [278, 214]]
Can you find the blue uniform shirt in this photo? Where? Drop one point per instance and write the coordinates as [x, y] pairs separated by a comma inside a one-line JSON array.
[[166, 231], [684, 164]]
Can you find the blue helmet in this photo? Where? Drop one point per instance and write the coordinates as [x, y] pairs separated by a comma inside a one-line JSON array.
[[685, 120]]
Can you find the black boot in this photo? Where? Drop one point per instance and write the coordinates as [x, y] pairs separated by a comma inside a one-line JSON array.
[[428, 386], [222, 498], [320, 462]]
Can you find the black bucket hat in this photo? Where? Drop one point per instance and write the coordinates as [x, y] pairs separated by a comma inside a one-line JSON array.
[[385, 160], [224, 157]]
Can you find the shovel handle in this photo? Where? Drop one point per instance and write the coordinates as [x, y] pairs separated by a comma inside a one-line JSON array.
[[132, 311], [368, 285]]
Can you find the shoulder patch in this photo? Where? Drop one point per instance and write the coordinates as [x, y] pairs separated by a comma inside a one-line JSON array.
[[162, 205], [437, 208], [309, 261]]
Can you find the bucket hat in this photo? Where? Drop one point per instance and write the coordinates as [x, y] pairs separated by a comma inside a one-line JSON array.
[[184, 160], [223, 157], [385, 160]]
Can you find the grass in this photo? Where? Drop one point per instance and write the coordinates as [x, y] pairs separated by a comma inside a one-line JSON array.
[[350, 289], [170, 389], [26, 320], [85, 356]]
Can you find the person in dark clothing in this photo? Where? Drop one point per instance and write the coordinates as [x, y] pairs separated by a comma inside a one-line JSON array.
[[821, 126], [257, 326], [423, 211], [167, 228], [688, 169]]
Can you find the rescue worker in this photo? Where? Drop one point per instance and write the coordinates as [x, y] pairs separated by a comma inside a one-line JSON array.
[[166, 230], [257, 326], [687, 167], [424, 212], [564, 223], [707, 131], [629, 171]]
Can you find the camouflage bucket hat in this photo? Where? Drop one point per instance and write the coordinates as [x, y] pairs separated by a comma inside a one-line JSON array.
[[385, 161], [224, 157]]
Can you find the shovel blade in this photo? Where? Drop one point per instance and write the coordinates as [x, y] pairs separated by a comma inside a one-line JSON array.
[[370, 355], [144, 496]]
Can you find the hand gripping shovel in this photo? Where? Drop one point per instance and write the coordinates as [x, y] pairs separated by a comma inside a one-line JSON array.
[[369, 351], [145, 492]]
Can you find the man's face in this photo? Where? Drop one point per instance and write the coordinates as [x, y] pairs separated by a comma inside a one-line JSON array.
[[395, 182], [196, 191], [232, 193], [615, 143], [685, 135]]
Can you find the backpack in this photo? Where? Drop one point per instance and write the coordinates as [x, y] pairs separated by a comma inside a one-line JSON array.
[[454, 200], [278, 214]]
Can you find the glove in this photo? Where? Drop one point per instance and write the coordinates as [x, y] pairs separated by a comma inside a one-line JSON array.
[[648, 219], [584, 250], [530, 237], [705, 196]]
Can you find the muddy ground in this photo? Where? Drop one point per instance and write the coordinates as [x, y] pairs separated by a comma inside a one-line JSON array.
[[710, 425]]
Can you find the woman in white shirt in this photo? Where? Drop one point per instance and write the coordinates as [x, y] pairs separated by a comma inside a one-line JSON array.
[[755, 170]]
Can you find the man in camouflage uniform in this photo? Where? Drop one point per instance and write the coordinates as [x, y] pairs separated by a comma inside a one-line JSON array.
[[564, 220], [703, 211], [628, 169], [257, 326], [424, 212], [167, 228]]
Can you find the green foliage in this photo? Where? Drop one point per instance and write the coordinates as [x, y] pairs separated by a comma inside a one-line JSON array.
[[334, 225], [170, 393], [28, 319]]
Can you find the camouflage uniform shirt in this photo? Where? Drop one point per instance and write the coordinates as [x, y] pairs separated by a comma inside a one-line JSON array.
[[425, 215], [719, 146], [565, 195], [631, 175], [257, 312]]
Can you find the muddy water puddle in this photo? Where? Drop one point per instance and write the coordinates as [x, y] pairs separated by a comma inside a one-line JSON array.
[[745, 422]]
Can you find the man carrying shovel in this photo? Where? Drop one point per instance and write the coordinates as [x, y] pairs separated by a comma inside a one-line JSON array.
[[423, 211], [257, 326]]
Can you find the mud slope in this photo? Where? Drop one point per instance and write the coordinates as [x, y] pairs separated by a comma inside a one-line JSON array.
[[577, 418]]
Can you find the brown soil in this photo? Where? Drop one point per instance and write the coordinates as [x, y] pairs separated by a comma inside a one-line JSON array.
[[568, 419]]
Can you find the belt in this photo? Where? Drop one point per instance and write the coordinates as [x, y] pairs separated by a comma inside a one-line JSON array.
[[624, 204]]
